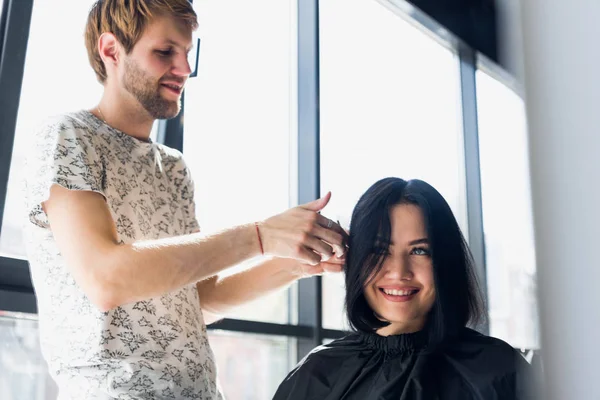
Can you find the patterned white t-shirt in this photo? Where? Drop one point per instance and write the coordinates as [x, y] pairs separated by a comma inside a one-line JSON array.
[[152, 349]]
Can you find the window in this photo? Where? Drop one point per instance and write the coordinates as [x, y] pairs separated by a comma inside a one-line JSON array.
[[23, 371], [507, 214], [389, 107], [49, 88], [271, 357], [237, 123], [55, 80]]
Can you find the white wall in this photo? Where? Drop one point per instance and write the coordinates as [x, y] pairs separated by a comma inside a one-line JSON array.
[[562, 67]]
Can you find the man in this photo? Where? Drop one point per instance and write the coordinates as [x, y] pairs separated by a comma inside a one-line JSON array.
[[125, 283]]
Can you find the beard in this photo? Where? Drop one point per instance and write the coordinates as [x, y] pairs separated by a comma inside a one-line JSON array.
[[145, 89]]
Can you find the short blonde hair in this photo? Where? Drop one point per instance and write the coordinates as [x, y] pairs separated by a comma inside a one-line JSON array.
[[127, 20]]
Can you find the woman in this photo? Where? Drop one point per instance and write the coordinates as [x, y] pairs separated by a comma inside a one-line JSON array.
[[410, 293]]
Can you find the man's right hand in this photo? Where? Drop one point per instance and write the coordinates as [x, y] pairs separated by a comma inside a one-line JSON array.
[[303, 234]]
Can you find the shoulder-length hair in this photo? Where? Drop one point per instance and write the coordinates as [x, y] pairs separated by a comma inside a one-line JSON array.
[[458, 300]]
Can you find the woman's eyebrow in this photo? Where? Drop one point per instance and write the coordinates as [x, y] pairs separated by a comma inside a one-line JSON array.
[[382, 241], [419, 241]]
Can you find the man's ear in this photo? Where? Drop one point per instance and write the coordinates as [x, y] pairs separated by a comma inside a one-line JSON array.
[[109, 49]]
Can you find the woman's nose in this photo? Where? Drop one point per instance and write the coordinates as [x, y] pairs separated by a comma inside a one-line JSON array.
[[399, 268]]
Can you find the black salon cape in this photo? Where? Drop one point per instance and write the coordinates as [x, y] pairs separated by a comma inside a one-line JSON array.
[[372, 367]]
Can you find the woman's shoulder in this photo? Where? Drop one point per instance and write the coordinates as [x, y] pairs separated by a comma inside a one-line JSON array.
[[349, 346], [473, 337], [329, 364], [481, 351]]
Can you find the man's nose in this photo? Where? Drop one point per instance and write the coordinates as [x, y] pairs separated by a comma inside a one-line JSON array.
[[182, 66]]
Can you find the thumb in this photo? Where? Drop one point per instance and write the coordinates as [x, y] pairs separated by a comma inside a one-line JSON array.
[[318, 204]]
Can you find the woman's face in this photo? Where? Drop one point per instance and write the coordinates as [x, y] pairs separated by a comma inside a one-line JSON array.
[[403, 291]]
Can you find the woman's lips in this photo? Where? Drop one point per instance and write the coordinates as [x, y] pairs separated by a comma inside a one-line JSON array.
[[400, 295]]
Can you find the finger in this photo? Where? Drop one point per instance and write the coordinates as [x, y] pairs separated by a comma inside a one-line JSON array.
[[318, 204], [313, 270], [329, 224], [330, 236], [315, 244], [336, 260], [334, 239], [308, 256], [331, 267]]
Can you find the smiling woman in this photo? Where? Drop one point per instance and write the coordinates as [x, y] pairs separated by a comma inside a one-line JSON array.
[[410, 293], [402, 290], [404, 236]]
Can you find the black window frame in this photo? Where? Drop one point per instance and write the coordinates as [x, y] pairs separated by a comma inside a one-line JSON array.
[[16, 290]]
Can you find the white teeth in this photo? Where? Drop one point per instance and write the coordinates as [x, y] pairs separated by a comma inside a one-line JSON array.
[[394, 292]]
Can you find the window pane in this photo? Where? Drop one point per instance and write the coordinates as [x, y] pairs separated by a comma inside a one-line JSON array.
[[49, 88], [23, 372], [251, 367], [237, 122], [389, 107], [507, 214]]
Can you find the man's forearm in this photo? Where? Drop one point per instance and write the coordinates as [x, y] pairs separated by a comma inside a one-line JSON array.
[[221, 296], [147, 269], [112, 274]]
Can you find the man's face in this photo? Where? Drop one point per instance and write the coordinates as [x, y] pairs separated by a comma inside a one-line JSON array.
[[157, 68]]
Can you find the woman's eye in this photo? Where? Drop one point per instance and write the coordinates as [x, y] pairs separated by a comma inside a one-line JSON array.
[[164, 53], [420, 251]]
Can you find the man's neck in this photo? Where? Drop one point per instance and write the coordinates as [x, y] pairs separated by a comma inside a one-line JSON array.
[[126, 116]]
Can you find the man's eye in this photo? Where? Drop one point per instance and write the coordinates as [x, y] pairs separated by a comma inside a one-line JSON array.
[[165, 53]]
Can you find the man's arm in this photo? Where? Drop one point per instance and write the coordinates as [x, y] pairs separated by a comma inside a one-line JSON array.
[[112, 274], [219, 296]]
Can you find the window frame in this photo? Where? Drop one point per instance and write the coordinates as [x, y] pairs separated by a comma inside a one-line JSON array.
[[16, 290]]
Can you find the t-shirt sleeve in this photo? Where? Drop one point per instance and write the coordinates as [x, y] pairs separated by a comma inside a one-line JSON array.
[[189, 204], [64, 155]]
